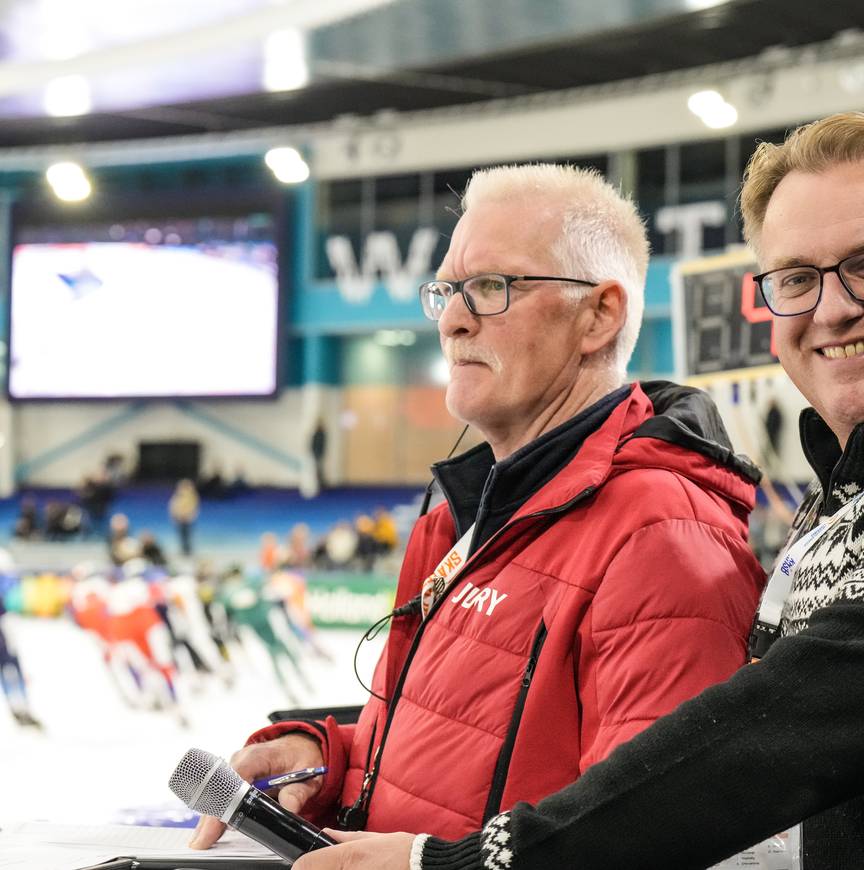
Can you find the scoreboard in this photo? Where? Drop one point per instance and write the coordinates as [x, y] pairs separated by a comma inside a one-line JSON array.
[[720, 321]]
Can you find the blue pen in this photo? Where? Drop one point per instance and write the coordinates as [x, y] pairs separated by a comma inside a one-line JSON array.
[[287, 778]]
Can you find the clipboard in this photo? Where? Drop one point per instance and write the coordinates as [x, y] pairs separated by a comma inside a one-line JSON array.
[[202, 863], [120, 847]]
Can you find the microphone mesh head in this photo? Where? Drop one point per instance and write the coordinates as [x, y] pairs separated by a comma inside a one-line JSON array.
[[220, 783]]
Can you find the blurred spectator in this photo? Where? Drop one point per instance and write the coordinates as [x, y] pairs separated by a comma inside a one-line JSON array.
[[367, 548], [269, 556], [774, 426], [213, 486], [62, 520], [384, 532], [114, 470], [151, 551], [318, 448], [772, 440], [52, 517], [339, 546], [183, 507], [298, 551], [72, 523], [238, 486], [95, 496], [121, 545], [27, 524]]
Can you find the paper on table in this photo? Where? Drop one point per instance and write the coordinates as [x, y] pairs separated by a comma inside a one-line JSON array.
[[46, 846]]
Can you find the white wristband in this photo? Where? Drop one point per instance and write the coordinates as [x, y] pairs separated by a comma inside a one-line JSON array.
[[416, 862]]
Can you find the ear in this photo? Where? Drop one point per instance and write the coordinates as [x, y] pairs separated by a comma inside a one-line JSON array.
[[605, 309]]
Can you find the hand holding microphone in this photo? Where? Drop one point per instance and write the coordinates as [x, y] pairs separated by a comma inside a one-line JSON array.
[[289, 752], [206, 784]]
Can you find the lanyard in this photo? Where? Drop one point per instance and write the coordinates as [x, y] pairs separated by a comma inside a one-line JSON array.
[[447, 571], [354, 817], [766, 627]]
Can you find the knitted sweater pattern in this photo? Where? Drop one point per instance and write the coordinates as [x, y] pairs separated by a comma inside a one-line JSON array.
[[829, 571]]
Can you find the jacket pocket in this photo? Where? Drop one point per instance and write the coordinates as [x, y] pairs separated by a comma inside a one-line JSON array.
[[502, 765]]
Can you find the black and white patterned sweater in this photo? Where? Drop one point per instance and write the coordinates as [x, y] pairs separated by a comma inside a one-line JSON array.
[[830, 570], [779, 742]]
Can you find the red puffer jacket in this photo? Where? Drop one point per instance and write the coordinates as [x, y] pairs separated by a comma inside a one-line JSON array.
[[621, 588]]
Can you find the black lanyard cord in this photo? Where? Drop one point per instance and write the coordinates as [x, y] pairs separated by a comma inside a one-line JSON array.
[[371, 633], [428, 496]]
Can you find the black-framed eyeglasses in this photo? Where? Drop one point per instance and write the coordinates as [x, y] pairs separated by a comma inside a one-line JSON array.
[[483, 294], [798, 289]]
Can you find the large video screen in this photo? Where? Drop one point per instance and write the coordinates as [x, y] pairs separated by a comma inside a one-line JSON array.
[[136, 310]]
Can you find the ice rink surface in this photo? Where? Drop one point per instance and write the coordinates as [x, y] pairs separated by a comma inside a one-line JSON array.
[[96, 756]]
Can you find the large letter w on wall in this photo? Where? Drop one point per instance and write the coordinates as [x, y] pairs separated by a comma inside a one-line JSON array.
[[381, 256]]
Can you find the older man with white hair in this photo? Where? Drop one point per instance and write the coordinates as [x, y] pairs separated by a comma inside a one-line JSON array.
[[588, 568]]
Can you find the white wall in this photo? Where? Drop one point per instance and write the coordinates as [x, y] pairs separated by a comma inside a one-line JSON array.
[[744, 420], [284, 424], [287, 423]]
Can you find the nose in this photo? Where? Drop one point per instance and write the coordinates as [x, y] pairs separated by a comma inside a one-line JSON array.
[[837, 306], [457, 318]]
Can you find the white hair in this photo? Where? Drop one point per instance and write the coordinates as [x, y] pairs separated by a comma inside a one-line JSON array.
[[602, 235]]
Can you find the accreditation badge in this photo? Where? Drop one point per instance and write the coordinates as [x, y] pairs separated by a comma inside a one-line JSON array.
[[448, 569], [780, 852]]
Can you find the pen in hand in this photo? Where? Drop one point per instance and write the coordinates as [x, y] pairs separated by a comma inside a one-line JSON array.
[[287, 778]]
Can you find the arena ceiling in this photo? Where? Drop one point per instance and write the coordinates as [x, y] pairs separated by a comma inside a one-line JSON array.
[[157, 68]]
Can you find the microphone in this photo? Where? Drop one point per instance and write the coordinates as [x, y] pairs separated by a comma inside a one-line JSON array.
[[207, 785]]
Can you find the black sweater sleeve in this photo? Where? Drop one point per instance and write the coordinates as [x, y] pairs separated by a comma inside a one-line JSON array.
[[774, 744]]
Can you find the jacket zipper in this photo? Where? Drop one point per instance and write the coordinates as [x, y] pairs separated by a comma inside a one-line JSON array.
[[502, 766], [354, 817]]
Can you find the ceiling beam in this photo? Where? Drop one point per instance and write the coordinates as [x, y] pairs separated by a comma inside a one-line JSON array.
[[779, 88]]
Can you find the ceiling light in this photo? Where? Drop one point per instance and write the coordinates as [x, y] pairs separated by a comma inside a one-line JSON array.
[[704, 101], [710, 107], [722, 116], [285, 67], [61, 43], [69, 181], [287, 165], [67, 96]]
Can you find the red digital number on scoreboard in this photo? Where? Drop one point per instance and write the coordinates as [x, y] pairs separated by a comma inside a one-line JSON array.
[[752, 312]]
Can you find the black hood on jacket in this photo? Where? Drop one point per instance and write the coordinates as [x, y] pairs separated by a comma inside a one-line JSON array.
[[684, 416], [482, 491], [687, 416]]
